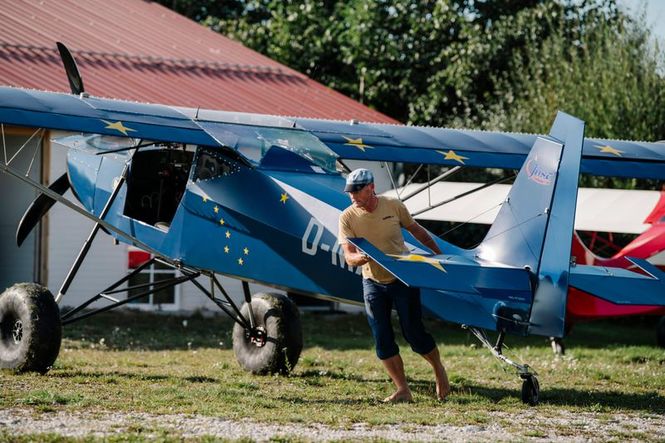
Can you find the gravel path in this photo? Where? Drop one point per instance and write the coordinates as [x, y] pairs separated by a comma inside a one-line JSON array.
[[527, 425]]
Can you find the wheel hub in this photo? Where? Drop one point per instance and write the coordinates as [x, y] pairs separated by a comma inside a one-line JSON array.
[[17, 331], [257, 336]]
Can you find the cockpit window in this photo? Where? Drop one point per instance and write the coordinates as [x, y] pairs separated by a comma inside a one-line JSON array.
[[210, 163], [253, 142]]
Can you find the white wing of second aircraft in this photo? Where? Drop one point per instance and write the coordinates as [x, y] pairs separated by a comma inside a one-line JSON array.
[[605, 210]]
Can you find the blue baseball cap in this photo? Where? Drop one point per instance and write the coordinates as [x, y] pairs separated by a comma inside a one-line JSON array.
[[358, 179]]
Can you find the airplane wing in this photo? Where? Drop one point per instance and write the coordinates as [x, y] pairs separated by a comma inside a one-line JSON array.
[[452, 273], [384, 142], [606, 210], [350, 140], [624, 287]]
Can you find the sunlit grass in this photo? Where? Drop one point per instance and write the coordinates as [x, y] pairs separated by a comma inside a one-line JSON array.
[[157, 364]]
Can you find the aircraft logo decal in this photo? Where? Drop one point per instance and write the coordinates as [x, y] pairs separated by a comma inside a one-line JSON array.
[[420, 259], [284, 197], [610, 150], [452, 155], [118, 126], [536, 173], [356, 143]]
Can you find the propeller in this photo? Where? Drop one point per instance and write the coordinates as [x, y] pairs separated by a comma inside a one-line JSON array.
[[38, 208], [73, 75]]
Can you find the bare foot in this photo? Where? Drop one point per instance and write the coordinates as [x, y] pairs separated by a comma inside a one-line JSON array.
[[442, 387], [399, 397]]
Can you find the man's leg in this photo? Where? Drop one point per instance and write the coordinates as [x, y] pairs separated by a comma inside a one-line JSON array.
[[378, 307], [395, 367], [408, 306], [442, 385]]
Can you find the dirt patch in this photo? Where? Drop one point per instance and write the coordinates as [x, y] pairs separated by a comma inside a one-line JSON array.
[[564, 426]]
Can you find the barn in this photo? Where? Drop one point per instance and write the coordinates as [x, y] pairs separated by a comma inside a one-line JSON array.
[[133, 50]]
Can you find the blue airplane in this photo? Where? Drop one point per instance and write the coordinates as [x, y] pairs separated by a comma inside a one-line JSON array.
[[258, 197]]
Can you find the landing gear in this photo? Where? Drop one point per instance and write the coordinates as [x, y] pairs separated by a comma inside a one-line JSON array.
[[530, 386], [530, 389], [273, 342], [660, 333], [558, 347], [30, 329]]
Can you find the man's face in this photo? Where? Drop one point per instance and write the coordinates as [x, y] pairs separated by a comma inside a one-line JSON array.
[[362, 197]]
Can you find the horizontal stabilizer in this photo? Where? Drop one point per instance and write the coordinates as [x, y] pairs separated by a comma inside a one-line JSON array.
[[38, 208], [621, 286], [452, 273]]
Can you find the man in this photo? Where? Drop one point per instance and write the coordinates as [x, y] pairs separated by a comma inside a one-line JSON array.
[[379, 220]]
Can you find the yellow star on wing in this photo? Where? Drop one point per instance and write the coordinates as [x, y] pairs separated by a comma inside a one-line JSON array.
[[610, 150], [284, 198], [118, 126], [356, 143], [420, 259], [226, 249], [452, 155]]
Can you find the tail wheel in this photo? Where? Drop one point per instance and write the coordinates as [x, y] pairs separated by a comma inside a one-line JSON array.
[[30, 329], [275, 343], [530, 390], [660, 333]]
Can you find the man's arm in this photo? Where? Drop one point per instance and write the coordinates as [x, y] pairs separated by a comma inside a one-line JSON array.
[[423, 237], [352, 256]]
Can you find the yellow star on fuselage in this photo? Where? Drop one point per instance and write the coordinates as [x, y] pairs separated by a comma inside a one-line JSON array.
[[226, 249], [356, 143], [610, 150], [284, 198], [241, 261], [246, 251], [216, 209], [205, 199], [118, 126], [452, 155], [221, 221], [420, 259], [228, 234]]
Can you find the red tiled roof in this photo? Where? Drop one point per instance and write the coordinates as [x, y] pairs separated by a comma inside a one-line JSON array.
[[140, 50]]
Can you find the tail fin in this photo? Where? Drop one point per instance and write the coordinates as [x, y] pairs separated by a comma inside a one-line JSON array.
[[534, 227]]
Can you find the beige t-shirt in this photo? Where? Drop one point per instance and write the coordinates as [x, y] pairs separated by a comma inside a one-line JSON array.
[[382, 228]]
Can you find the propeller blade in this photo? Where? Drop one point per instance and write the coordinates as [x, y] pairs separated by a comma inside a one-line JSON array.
[[73, 75], [38, 208]]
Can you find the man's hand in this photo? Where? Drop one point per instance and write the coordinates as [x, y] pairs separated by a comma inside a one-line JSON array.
[[353, 256]]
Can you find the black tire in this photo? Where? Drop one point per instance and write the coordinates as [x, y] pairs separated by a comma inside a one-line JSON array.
[[30, 329], [660, 333], [279, 318], [530, 390]]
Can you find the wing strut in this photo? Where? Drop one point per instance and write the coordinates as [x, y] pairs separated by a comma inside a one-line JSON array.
[[88, 242]]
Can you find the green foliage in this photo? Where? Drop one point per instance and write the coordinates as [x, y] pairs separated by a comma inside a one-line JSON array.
[[488, 64]]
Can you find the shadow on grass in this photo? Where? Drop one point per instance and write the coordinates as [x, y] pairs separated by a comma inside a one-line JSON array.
[[123, 330], [606, 401], [64, 373]]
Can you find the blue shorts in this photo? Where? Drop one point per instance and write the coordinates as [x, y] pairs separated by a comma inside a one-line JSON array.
[[379, 302]]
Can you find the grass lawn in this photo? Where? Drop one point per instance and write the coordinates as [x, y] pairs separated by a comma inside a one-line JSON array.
[[164, 364]]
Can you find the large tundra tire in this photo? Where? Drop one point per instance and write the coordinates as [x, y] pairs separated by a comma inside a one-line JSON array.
[[30, 329], [275, 346]]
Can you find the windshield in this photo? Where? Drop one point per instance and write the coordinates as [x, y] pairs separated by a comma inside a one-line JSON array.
[[253, 142]]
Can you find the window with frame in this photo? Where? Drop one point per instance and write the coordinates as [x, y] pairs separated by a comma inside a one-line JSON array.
[[166, 298]]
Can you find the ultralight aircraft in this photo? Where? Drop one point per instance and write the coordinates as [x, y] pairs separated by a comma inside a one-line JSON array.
[[257, 198]]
